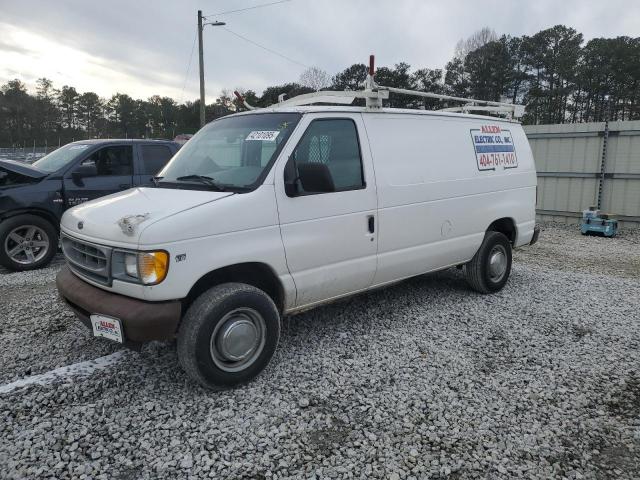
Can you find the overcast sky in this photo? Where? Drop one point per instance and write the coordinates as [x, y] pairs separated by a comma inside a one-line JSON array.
[[143, 47]]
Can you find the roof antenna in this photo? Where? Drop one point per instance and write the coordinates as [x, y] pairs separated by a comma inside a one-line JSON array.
[[243, 101], [370, 86]]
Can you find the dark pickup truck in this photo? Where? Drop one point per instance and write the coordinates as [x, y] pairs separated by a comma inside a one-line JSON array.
[[34, 197]]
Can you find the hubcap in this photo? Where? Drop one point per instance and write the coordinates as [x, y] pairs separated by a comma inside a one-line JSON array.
[[238, 339], [26, 244], [497, 263]]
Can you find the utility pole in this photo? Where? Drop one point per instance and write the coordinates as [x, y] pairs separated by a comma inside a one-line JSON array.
[[202, 106], [603, 158], [200, 55]]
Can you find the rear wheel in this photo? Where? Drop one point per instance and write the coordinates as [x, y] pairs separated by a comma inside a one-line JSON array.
[[489, 269], [228, 335], [27, 242]]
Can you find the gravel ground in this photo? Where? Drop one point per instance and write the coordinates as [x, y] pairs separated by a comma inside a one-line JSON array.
[[421, 380]]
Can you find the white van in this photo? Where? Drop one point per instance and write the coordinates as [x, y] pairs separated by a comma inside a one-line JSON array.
[[269, 212]]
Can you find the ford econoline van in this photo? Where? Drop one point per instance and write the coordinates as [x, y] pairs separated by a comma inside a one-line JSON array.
[[269, 212]]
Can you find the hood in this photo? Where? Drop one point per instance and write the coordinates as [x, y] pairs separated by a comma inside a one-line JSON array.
[[119, 218], [20, 168]]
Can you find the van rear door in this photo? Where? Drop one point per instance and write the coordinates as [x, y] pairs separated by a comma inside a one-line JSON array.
[[330, 238]]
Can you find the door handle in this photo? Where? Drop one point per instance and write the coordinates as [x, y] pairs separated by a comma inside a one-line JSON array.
[[371, 223]]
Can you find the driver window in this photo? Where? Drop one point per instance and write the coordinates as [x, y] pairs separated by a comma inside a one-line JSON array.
[[333, 142], [112, 161]]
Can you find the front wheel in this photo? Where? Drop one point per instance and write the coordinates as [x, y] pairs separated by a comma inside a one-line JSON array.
[[27, 242], [489, 269], [228, 335]]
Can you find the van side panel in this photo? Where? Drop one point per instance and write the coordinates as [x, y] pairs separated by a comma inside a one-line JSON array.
[[435, 203]]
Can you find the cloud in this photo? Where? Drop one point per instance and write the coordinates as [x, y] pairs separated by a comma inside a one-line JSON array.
[[143, 47], [66, 65], [7, 46]]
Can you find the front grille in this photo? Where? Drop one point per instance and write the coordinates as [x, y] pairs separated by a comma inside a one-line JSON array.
[[88, 259]]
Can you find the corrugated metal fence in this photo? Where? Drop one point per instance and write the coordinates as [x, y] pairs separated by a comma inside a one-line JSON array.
[[582, 163]]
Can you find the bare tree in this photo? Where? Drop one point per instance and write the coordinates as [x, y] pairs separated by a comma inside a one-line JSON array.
[[475, 41], [314, 78]]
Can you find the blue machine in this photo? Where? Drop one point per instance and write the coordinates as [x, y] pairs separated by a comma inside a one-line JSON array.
[[595, 222]]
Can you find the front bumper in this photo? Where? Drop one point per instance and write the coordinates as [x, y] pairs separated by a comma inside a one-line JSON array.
[[141, 321]]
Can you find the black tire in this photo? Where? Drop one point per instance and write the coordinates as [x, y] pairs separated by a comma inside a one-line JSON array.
[[480, 274], [201, 356], [39, 256]]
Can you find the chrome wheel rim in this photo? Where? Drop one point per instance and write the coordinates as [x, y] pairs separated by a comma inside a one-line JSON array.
[[27, 244], [497, 263], [238, 339]]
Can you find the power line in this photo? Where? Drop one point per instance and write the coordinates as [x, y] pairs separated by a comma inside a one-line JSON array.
[[266, 48], [186, 75], [248, 8]]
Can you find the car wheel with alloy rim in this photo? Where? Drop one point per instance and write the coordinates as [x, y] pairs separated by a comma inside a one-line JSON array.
[[27, 242]]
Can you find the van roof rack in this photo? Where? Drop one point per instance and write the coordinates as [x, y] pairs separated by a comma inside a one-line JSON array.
[[374, 94]]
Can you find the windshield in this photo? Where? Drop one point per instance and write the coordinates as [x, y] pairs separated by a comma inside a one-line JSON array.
[[60, 157], [230, 153]]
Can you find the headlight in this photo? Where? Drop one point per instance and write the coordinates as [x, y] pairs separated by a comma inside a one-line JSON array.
[[149, 268], [131, 264]]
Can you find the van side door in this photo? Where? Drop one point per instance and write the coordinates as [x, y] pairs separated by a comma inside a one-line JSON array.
[[106, 170], [152, 158], [330, 238]]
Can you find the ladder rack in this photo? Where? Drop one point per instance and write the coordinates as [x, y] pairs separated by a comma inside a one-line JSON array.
[[374, 94]]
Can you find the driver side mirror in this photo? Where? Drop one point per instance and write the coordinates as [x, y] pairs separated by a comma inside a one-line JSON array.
[[83, 171]]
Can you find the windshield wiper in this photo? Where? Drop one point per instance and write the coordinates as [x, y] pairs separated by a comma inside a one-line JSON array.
[[203, 179]]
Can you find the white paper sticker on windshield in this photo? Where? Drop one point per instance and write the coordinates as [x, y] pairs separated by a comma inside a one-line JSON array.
[[78, 147], [263, 135]]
